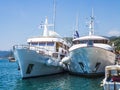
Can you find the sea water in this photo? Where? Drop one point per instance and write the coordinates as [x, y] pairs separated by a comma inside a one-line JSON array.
[[10, 79]]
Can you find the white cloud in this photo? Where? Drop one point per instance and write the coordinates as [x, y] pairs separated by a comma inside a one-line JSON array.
[[114, 33]]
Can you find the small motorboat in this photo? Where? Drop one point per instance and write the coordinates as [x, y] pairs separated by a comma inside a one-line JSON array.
[[112, 78]]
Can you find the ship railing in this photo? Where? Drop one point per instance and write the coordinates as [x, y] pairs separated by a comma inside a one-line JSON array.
[[38, 49], [20, 47]]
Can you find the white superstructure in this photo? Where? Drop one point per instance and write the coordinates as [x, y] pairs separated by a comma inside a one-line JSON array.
[[42, 55], [90, 54]]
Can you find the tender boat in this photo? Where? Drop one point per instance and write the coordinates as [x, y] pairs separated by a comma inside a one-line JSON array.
[[89, 54], [112, 78], [11, 59], [42, 55]]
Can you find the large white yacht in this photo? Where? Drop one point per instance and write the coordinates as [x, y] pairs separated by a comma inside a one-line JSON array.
[[89, 54], [42, 55]]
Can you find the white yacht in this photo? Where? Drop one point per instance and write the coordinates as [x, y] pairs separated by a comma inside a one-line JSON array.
[[89, 54], [42, 55], [112, 78]]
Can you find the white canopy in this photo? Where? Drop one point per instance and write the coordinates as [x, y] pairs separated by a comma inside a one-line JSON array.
[[113, 67]]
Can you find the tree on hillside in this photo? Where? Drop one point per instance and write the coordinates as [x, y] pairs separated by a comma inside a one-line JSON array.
[[116, 41]]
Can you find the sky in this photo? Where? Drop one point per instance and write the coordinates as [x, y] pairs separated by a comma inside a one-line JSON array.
[[20, 19]]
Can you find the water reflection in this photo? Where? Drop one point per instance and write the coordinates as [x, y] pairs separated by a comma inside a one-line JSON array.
[[59, 82]]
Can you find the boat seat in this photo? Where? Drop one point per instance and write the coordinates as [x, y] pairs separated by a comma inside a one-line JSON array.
[[116, 78]]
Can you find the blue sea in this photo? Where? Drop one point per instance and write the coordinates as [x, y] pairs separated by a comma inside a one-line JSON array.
[[10, 79]]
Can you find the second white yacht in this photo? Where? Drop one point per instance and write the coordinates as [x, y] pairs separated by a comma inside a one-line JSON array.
[[89, 55]]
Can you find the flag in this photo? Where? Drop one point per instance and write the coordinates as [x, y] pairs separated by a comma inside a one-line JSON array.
[[76, 34]]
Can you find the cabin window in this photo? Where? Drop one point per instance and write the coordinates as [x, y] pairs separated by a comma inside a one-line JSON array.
[[83, 41], [96, 41], [50, 43], [115, 72], [55, 55], [90, 43], [41, 43], [105, 41], [34, 43], [66, 48], [101, 41], [76, 42]]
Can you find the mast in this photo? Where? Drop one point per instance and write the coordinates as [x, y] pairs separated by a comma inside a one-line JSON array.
[[45, 32], [46, 25], [91, 26], [54, 14]]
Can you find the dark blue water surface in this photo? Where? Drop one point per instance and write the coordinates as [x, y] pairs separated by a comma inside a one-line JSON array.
[[10, 79]]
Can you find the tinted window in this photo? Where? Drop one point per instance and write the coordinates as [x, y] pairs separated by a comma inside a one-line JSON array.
[[50, 43], [34, 43], [90, 43], [42, 44]]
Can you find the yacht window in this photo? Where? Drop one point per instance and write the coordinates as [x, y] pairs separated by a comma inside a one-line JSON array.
[[115, 72], [101, 41], [55, 55], [66, 47], [105, 41], [96, 41], [50, 43], [76, 42], [90, 43], [34, 43], [83, 41], [41, 43]]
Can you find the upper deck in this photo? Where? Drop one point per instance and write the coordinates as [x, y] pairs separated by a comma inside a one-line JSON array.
[[91, 38]]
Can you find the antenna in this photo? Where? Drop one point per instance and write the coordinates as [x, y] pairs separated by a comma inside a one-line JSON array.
[[46, 25], [91, 27], [45, 33], [77, 23], [54, 14]]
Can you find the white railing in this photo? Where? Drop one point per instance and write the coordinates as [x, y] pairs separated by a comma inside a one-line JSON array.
[[35, 48]]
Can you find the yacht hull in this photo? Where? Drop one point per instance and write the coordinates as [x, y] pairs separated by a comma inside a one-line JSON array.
[[111, 85], [33, 64], [90, 61]]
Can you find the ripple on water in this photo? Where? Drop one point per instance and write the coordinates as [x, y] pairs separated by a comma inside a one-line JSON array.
[[10, 79]]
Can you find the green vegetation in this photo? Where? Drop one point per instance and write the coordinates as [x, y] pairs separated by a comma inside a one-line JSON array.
[[68, 39], [116, 41]]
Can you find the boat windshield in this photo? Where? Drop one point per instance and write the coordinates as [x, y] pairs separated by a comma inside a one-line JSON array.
[[115, 72], [113, 75]]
